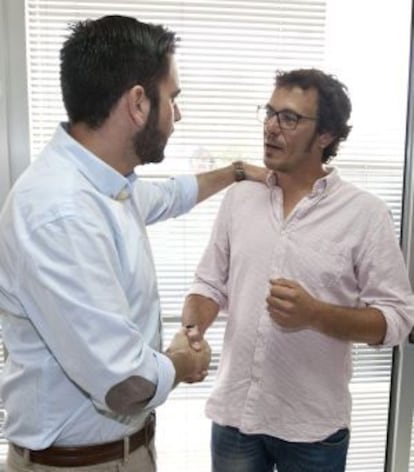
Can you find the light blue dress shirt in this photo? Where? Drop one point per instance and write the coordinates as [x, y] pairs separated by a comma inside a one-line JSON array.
[[79, 294]]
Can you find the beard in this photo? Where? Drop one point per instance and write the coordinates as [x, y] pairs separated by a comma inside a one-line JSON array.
[[311, 142], [149, 143], [280, 160]]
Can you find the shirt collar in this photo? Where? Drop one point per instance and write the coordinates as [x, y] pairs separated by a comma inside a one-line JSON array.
[[271, 179], [102, 176], [322, 185], [325, 183]]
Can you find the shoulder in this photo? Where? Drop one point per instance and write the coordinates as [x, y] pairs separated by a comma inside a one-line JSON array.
[[247, 189], [361, 198], [47, 191]]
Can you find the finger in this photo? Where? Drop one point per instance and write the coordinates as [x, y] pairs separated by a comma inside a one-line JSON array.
[[197, 377], [189, 380], [193, 331], [281, 282], [202, 375], [279, 304], [279, 285], [194, 337]]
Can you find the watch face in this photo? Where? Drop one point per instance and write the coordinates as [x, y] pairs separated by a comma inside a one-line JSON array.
[[239, 171]]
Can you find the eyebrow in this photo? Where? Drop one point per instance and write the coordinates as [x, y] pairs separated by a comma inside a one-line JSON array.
[[282, 109]]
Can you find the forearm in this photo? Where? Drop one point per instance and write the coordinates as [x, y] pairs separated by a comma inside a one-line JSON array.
[[366, 325], [292, 307], [199, 311], [212, 182]]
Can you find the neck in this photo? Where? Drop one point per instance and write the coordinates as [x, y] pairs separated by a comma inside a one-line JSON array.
[[296, 187], [300, 183], [112, 141], [106, 143]]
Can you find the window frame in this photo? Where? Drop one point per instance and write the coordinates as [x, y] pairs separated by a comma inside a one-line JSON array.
[[400, 420], [15, 156]]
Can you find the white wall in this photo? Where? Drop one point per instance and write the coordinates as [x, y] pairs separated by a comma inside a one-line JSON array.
[[4, 155], [373, 37], [14, 112]]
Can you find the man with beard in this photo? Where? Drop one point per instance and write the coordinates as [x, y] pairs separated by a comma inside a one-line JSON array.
[[78, 289], [303, 267]]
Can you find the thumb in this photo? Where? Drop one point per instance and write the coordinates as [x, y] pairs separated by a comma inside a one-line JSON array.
[[194, 336]]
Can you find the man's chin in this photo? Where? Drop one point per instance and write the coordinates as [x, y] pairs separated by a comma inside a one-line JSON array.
[[274, 164], [154, 157], [269, 160]]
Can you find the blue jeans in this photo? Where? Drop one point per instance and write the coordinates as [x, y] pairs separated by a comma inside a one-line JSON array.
[[233, 451]]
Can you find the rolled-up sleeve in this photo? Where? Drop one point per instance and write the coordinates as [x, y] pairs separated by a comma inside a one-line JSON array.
[[165, 199], [384, 281], [211, 277], [166, 379]]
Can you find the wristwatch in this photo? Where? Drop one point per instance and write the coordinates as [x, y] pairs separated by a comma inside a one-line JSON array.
[[239, 173]]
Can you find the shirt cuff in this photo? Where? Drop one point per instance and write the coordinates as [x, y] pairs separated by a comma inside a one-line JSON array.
[[166, 378], [208, 292], [398, 326]]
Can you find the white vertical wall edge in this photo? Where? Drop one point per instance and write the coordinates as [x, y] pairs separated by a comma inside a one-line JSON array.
[[402, 386], [14, 106], [4, 154]]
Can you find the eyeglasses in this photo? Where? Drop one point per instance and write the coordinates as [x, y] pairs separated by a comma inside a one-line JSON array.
[[286, 119]]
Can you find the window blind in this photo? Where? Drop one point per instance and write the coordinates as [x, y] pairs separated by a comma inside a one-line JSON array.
[[227, 58]]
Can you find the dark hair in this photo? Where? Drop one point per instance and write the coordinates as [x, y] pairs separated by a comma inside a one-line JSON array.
[[334, 105], [103, 58]]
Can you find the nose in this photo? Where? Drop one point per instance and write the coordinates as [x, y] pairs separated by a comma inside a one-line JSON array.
[[272, 124], [177, 113]]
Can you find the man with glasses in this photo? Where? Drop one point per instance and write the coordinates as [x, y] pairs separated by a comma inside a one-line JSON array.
[[303, 267]]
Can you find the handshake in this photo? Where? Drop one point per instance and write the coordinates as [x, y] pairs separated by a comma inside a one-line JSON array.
[[190, 354]]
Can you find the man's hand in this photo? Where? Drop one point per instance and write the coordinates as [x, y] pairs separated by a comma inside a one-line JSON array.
[[194, 336], [291, 306], [256, 173], [191, 365]]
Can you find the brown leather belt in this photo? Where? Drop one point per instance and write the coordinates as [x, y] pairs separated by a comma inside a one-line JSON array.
[[78, 456]]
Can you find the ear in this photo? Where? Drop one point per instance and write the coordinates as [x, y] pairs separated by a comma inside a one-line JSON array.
[[325, 139], [138, 105]]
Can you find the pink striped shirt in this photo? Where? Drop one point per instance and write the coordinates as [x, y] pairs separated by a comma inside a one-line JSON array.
[[339, 243]]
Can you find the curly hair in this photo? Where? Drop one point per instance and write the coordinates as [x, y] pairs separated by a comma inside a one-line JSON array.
[[334, 105]]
